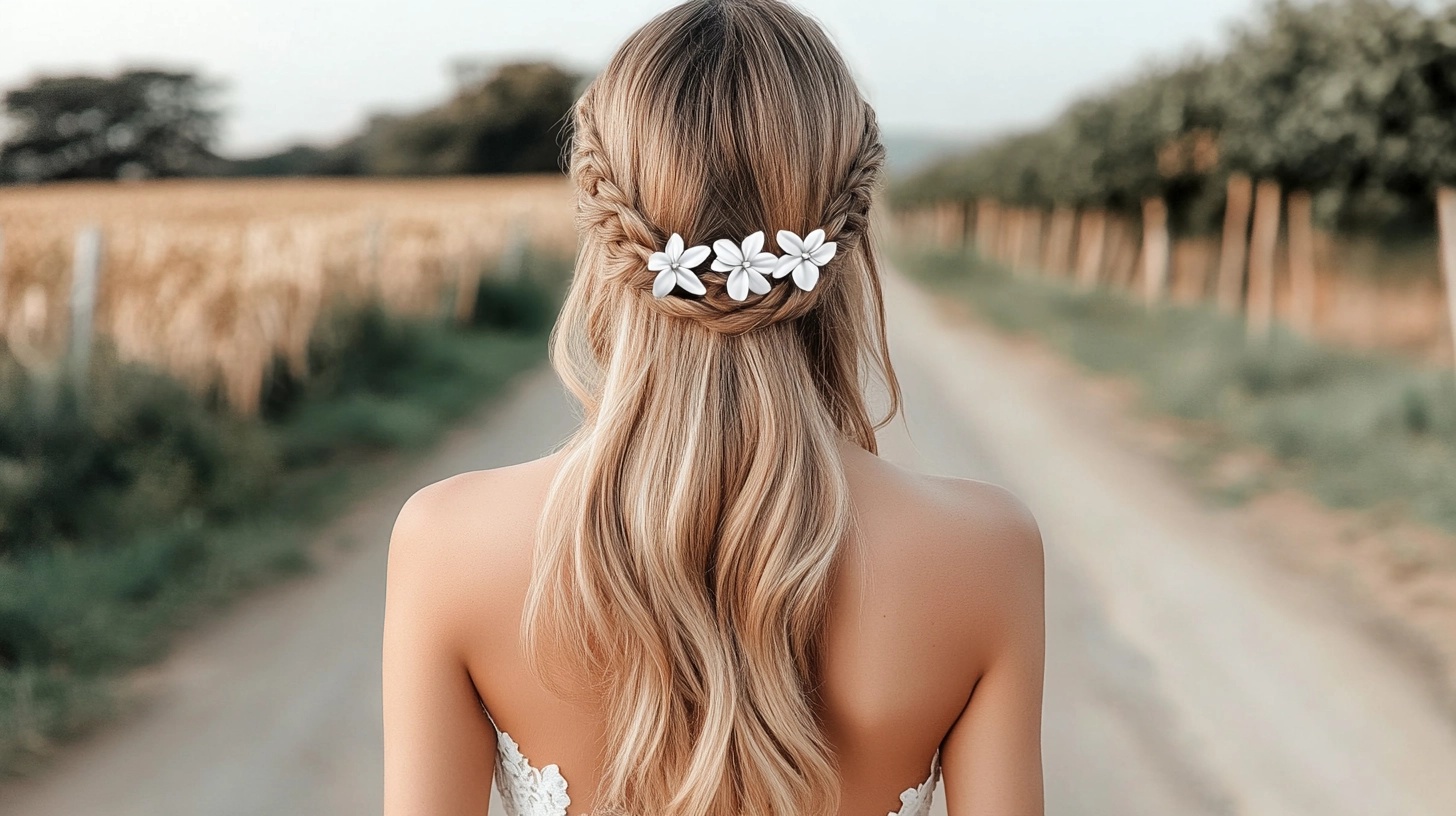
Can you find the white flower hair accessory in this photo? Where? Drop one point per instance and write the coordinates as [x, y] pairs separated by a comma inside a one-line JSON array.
[[745, 265], [804, 257], [673, 267]]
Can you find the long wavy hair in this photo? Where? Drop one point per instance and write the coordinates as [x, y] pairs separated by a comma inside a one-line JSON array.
[[689, 541]]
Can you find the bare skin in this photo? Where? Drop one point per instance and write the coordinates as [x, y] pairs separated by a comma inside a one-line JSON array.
[[934, 640]]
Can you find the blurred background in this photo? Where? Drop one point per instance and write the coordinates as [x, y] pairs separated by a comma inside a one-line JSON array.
[[1180, 275]]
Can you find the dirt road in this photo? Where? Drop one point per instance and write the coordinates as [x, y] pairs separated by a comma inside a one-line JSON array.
[[1185, 674]]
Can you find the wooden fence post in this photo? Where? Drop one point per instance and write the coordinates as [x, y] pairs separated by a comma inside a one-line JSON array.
[[1011, 241], [1235, 242], [1155, 249], [85, 275], [952, 225], [1058, 259], [1302, 276], [1015, 237], [1199, 259], [1446, 217], [1264, 242], [1122, 253], [2, 280], [987, 228], [968, 217], [1092, 240], [1029, 250]]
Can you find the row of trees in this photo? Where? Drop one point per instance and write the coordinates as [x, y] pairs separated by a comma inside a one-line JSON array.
[[1352, 100], [139, 123]]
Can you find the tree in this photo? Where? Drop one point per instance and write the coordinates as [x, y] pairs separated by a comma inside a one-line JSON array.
[[1327, 97], [501, 119], [142, 122], [509, 120]]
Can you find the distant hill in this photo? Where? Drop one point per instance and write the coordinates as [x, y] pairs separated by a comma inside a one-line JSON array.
[[909, 151]]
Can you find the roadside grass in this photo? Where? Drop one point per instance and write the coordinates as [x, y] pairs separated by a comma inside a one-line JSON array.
[[1357, 430], [126, 517]]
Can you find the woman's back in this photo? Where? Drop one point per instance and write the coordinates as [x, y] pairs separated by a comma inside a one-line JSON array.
[[715, 600], [948, 588]]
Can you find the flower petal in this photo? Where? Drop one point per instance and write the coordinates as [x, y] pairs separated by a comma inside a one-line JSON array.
[[785, 265], [764, 261], [675, 246], [757, 282], [693, 256], [813, 240], [663, 284], [738, 284], [753, 244], [690, 282], [790, 242], [806, 275], [727, 252], [822, 255], [722, 266], [659, 261]]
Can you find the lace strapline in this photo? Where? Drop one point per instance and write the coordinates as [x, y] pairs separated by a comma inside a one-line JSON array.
[[528, 791]]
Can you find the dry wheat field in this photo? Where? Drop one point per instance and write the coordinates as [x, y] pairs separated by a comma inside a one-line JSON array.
[[212, 279]]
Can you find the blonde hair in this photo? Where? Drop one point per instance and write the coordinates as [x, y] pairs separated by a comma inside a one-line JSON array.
[[688, 543]]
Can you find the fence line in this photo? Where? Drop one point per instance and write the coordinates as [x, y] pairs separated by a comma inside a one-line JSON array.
[[1306, 286]]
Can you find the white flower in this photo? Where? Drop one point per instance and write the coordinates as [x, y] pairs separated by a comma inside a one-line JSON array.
[[672, 267], [805, 256], [744, 264]]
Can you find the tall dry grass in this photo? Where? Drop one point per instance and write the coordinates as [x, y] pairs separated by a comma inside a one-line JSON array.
[[211, 280]]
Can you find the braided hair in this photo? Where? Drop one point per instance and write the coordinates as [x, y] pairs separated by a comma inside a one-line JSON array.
[[609, 216]]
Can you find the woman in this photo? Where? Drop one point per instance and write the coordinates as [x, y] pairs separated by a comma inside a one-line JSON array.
[[716, 599]]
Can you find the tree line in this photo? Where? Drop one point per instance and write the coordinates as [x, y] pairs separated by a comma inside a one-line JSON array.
[[1351, 100], [153, 123]]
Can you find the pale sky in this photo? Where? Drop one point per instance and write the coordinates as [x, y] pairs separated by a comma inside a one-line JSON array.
[[313, 69]]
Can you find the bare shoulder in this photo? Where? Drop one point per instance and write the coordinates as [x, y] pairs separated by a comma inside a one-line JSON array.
[[972, 550], [460, 508], [458, 542], [974, 525], [462, 503], [988, 524]]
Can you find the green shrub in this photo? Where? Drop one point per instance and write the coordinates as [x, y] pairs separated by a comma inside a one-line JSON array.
[[128, 513], [139, 447]]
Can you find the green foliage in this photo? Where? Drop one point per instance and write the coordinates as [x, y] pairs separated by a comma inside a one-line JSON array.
[[138, 448], [1351, 99], [1358, 431], [381, 382], [122, 520], [140, 122], [509, 119], [521, 293], [40, 706], [1345, 98]]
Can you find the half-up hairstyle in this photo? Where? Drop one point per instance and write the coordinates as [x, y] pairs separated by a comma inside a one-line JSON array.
[[688, 544]]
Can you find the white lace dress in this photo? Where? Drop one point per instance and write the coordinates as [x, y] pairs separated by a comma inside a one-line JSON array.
[[526, 790]]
